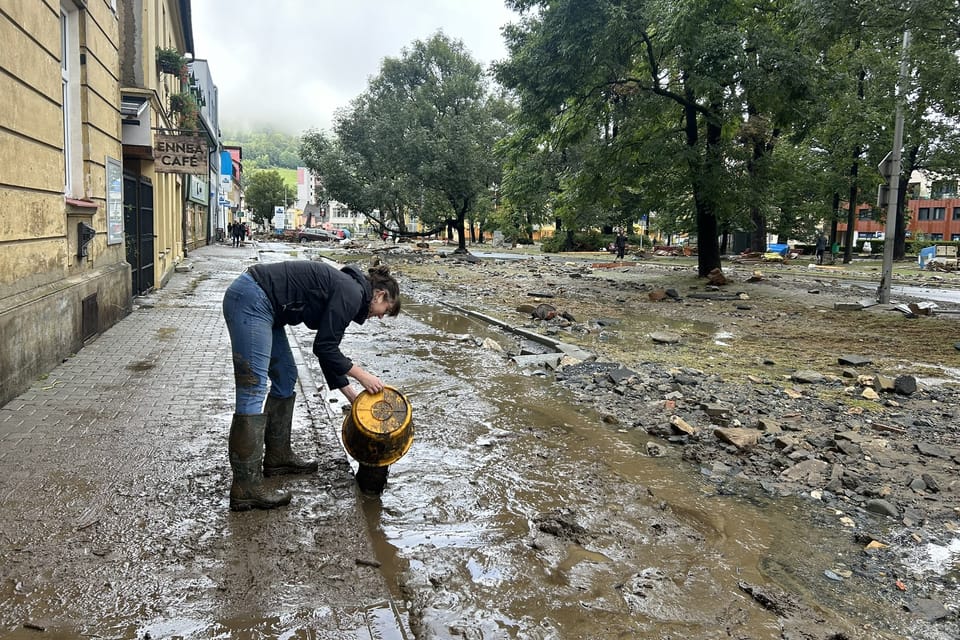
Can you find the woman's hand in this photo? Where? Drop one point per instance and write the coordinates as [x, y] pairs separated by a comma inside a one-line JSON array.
[[370, 382]]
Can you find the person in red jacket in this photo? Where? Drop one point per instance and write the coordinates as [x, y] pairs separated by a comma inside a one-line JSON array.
[[257, 307]]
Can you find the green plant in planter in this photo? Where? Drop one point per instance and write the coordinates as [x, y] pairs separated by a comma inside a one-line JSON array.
[[170, 61], [185, 104]]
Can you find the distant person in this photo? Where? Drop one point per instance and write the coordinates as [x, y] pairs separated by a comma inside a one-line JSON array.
[[821, 247], [257, 307], [237, 234], [620, 244]]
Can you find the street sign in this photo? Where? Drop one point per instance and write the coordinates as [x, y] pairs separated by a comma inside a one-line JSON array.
[[886, 166]]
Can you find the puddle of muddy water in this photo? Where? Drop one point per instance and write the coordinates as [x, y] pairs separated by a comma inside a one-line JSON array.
[[519, 514]]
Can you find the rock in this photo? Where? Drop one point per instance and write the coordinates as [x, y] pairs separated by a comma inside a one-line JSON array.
[[930, 482], [528, 309], [933, 450], [716, 409], [905, 385], [928, 609], [918, 485], [539, 294], [682, 426], [716, 277], [809, 471], [492, 345], [882, 383], [545, 312], [878, 505], [665, 337], [807, 377], [672, 293], [657, 295], [654, 450], [854, 360], [870, 394], [768, 425], [847, 306], [621, 375], [737, 436], [850, 373]]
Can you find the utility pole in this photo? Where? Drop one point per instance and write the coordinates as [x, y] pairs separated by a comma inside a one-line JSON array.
[[891, 171]]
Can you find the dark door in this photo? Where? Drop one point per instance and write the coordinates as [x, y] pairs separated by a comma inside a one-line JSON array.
[[138, 228]]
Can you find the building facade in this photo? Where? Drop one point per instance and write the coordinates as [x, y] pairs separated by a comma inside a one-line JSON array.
[[63, 273], [932, 211], [162, 216]]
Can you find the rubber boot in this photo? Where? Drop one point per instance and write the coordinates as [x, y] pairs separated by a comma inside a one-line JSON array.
[[278, 458], [372, 480], [246, 460]]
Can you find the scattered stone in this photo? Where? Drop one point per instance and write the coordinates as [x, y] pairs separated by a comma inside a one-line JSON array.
[[768, 425], [545, 312], [665, 337], [870, 394], [682, 426], [808, 471], [878, 505], [930, 482], [905, 385], [847, 306], [654, 450], [540, 294], [737, 436], [854, 360], [621, 375], [850, 373], [928, 609], [657, 295], [832, 576], [806, 376], [882, 383], [716, 277], [492, 345], [933, 450]]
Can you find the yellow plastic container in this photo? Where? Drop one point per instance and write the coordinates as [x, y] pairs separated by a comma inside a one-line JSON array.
[[378, 431]]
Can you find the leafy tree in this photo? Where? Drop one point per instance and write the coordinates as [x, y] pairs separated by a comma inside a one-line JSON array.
[[265, 190], [637, 80], [419, 139]]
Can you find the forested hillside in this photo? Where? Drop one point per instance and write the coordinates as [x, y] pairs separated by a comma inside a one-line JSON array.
[[266, 149]]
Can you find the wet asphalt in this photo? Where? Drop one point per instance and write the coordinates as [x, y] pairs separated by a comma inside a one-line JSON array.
[[114, 481]]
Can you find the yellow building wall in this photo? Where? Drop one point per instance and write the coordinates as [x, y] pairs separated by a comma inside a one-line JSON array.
[[157, 24], [44, 285]]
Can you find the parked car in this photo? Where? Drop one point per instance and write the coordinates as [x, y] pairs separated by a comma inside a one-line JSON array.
[[313, 235]]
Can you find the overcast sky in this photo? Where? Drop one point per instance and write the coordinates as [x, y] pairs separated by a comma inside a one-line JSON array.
[[292, 63]]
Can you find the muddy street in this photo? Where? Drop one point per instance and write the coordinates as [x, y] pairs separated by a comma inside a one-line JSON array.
[[536, 502], [521, 512]]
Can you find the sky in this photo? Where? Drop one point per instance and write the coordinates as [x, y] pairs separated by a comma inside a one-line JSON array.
[[290, 64]]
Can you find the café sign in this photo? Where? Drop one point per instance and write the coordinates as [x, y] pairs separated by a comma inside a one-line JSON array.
[[179, 154]]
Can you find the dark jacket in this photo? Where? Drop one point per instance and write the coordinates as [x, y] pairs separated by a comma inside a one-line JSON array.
[[321, 297]]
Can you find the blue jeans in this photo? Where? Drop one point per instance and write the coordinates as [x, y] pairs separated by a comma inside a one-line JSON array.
[[260, 350]]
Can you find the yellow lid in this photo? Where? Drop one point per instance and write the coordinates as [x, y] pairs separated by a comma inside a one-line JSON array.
[[381, 413]]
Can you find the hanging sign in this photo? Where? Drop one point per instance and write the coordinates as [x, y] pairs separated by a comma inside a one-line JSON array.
[[179, 154]]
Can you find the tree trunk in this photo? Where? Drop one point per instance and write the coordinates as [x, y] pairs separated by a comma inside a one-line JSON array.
[[708, 247], [900, 237]]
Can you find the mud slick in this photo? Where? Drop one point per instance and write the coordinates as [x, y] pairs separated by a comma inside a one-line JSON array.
[[768, 392]]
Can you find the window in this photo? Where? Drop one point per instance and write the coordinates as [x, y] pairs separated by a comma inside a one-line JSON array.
[[70, 85], [954, 237], [923, 213], [956, 213], [865, 214], [936, 236], [938, 213]]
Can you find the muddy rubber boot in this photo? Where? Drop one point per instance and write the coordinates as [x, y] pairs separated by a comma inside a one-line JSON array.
[[372, 480], [246, 460], [278, 458]]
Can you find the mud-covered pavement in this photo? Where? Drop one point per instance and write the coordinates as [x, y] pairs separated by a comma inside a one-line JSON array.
[[610, 497]]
